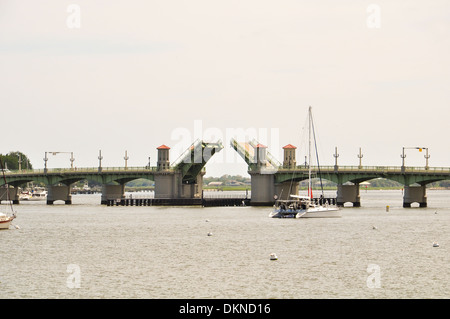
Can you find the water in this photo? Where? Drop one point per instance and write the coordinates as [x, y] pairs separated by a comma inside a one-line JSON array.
[[164, 252]]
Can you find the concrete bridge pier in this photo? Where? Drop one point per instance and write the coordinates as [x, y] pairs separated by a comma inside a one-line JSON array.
[[348, 193], [170, 185], [166, 185], [414, 194], [112, 192], [283, 190], [193, 190], [263, 189], [59, 192], [11, 193]]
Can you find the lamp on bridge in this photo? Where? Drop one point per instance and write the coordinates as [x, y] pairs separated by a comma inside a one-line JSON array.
[[72, 159], [426, 158], [126, 158], [360, 156], [403, 156], [100, 157], [336, 155], [45, 162]]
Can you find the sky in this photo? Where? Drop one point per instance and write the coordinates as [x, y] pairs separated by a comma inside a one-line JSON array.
[[82, 76]]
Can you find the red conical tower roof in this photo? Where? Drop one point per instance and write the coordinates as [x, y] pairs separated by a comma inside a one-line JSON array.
[[163, 147]]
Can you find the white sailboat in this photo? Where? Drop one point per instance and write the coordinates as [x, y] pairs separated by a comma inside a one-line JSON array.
[[6, 218], [305, 206]]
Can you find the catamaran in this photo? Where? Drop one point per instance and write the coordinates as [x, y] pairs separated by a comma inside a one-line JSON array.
[[6, 218], [298, 206]]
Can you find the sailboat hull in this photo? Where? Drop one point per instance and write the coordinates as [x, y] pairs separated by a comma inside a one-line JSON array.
[[321, 212], [5, 223], [312, 212]]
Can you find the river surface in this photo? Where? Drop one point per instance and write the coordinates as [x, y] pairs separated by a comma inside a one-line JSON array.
[[86, 250]]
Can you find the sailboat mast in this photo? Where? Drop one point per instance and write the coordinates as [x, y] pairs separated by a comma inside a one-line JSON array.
[[309, 152]]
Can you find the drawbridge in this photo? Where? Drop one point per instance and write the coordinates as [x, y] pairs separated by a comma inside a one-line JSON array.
[[191, 162], [248, 151]]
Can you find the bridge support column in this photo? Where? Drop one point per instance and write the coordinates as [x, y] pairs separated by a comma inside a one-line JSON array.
[[58, 192], [414, 194], [263, 189], [170, 185], [166, 185], [11, 193], [193, 190], [283, 190], [112, 192], [348, 193]]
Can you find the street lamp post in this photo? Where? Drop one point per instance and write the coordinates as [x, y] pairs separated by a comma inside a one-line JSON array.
[[403, 156], [126, 158], [100, 157], [335, 155], [360, 156], [45, 163], [72, 159], [426, 159], [20, 162]]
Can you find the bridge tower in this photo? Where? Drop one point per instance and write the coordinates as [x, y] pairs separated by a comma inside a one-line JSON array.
[[262, 168], [183, 178], [163, 157], [289, 161], [165, 178], [285, 189]]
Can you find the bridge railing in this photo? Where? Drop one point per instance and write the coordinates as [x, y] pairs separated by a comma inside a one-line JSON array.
[[377, 169], [82, 170]]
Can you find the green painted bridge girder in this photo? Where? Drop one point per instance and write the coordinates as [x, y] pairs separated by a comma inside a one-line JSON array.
[[68, 176], [121, 175], [355, 174]]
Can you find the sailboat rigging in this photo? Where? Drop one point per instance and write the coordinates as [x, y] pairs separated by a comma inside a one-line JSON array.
[[6, 218], [305, 206]]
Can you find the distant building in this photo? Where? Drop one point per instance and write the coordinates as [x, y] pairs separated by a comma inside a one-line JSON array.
[[234, 183], [215, 184]]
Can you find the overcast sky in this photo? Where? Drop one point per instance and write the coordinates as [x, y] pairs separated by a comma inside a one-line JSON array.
[[138, 74]]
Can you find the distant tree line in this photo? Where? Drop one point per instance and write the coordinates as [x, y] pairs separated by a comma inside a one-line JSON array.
[[226, 179], [11, 161]]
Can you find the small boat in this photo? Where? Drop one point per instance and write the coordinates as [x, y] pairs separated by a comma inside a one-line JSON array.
[[273, 256], [36, 195], [25, 195], [5, 220]]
